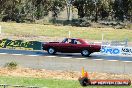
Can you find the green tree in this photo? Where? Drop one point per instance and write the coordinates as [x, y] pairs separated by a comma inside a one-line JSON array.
[[122, 8], [56, 7], [10, 10]]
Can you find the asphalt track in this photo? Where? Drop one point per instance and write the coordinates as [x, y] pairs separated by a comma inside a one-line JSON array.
[[68, 62]]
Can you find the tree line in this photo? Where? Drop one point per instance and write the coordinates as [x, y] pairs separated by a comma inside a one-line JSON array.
[[94, 10]]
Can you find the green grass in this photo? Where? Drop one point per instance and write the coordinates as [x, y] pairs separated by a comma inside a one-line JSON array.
[[49, 83], [62, 31]]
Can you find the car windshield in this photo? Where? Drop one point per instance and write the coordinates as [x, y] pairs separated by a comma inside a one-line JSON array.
[[65, 40]]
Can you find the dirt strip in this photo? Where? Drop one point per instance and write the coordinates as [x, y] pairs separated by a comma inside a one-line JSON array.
[[68, 75]]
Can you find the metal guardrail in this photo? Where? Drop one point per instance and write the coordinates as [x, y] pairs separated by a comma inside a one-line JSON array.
[[4, 85], [18, 86]]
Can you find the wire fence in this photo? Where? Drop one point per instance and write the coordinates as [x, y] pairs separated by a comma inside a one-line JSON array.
[[17, 86]]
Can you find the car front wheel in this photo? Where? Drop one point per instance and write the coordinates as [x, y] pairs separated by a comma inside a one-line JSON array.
[[51, 51], [85, 53]]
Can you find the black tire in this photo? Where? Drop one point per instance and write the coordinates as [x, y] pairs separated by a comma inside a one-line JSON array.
[[85, 53], [51, 51], [84, 81], [129, 83]]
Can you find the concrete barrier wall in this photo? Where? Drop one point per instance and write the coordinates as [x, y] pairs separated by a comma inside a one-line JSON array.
[[20, 44]]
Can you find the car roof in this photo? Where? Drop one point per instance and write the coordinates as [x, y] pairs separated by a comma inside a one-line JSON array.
[[81, 40], [75, 38]]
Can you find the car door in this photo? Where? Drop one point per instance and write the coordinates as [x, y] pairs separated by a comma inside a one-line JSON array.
[[65, 47], [76, 47]]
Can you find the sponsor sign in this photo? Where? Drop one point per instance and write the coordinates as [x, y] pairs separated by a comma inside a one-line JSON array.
[[115, 43], [126, 51], [86, 81], [110, 50], [111, 82], [116, 50], [20, 44]]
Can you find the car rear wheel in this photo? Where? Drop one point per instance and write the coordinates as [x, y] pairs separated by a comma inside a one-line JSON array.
[[51, 51], [85, 53]]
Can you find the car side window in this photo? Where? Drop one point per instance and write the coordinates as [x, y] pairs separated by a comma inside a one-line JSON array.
[[78, 42], [70, 41], [65, 40]]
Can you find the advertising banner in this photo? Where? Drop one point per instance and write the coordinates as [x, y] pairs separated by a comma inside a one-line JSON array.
[[20, 44], [111, 50], [126, 51], [115, 43], [85, 80], [116, 50]]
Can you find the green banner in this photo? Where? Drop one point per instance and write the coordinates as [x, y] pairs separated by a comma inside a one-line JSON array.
[[20, 44]]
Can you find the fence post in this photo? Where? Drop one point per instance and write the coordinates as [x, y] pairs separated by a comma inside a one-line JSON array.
[[126, 42], [0, 29], [102, 37], [69, 34], [4, 86], [124, 69]]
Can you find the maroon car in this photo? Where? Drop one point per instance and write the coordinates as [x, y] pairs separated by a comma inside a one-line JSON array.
[[71, 45]]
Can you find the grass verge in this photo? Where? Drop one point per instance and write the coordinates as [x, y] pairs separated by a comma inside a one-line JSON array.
[[63, 31], [48, 83]]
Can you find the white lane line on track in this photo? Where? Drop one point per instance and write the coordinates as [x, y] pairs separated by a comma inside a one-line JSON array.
[[80, 58], [98, 59], [112, 60], [127, 61], [32, 55], [3, 53], [50, 56], [116, 55], [17, 54], [65, 57]]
